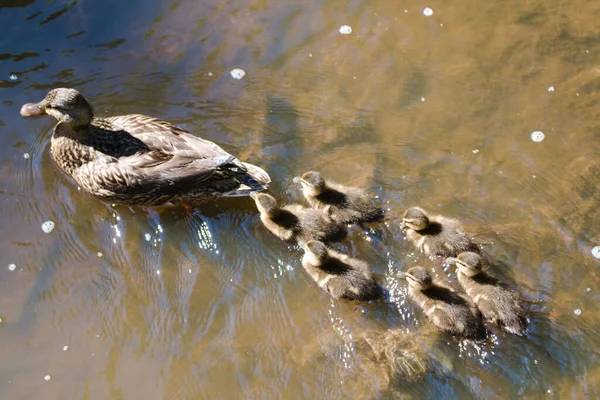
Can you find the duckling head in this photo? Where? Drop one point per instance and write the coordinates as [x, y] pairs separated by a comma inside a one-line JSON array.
[[66, 105], [415, 218], [314, 251], [469, 263], [312, 183], [419, 278], [265, 203]]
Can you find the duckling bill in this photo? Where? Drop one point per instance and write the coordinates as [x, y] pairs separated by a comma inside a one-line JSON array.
[[137, 159], [449, 311], [294, 222], [348, 204], [436, 235], [338, 274], [496, 301]]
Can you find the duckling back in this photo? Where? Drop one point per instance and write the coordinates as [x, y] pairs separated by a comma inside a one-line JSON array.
[[344, 277], [316, 224], [496, 301], [443, 236], [449, 311]]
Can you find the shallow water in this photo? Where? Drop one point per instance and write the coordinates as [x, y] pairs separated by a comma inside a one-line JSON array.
[[436, 111]]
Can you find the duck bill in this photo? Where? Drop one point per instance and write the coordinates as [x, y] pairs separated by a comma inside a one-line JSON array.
[[403, 225], [253, 195], [402, 275], [296, 179], [302, 244], [33, 109]]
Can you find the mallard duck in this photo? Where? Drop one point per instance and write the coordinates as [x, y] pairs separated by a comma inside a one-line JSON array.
[[348, 204], [496, 301], [137, 159], [436, 235], [294, 222], [447, 310], [338, 274]]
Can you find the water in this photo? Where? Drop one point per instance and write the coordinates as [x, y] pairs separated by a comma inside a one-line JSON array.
[[399, 106]]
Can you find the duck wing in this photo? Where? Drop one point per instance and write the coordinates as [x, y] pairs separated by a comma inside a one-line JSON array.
[[160, 135]]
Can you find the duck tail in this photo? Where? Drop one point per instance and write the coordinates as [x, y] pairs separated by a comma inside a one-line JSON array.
[[256, 180]]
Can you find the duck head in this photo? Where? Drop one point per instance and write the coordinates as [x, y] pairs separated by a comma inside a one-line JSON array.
[[312, 183], [469, 263], [418, 278], [415, 218], [314, 251], [265, 203], [66, 105]]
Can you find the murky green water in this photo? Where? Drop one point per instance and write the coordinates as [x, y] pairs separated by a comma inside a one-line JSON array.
[[436, 111]]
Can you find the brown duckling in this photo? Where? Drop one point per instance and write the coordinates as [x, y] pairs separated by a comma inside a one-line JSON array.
[[338, 274], [447, 310], [436, 235], [496, 301], [348, 204], [294, 222]]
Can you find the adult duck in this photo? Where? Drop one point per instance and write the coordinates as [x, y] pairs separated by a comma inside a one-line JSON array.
[[137, 159]]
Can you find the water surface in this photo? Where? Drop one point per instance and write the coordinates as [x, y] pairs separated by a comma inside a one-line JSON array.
[[435, 111]]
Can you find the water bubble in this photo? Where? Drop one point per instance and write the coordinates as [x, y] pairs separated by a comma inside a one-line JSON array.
[[422, 98], [538, 136], [0, 320], [158, 272], [596, 252], [147, 237], [588, 289], [65, 348], [190, 270], [577, 311], [99, 254], [428, 12], [551, 88], [47, 377], [345, 29], [26, 156], [237, 73], [12, 267], [475, 151], [48, 226], [13, 77], [210, 74]]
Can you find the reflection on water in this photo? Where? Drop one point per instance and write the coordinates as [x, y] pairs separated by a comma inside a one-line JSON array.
[[119, 302]]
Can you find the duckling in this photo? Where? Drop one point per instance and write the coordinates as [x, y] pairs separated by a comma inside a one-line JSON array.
[[139, 160], [436, 235], [447, 310], [349, 204], [496, 301], [294, 222], [338, 274]]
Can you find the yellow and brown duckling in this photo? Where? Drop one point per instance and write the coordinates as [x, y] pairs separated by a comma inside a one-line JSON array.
[[137, 159], [449, 311], [338, 274], [496, 301], [348, 204], [293, 222], [436, 235]]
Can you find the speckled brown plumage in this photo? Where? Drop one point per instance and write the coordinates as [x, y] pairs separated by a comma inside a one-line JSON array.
[[137, 159]]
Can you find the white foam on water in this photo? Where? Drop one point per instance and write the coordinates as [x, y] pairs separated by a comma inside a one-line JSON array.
[[551, 88], [47, 377], [345, 29], [13, 77], [596, 251], [48, 226], [538, 136], [237, 73], [428, 12], [12, 267], [577, 311]]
